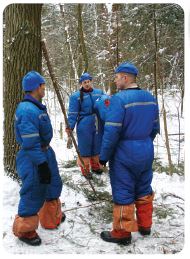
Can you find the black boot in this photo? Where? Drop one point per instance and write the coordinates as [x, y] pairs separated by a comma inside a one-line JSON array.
[[63, 217], [35, 241], [97, 171], [144, 231], [106, 236]]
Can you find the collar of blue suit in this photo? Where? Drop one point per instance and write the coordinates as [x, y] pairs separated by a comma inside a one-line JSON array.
[[29, 98], [86, 90]]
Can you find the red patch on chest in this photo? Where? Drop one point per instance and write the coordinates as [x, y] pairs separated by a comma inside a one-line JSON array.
[[107, 102]]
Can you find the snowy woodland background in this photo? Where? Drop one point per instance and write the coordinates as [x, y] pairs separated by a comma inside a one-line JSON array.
[[96, 38]]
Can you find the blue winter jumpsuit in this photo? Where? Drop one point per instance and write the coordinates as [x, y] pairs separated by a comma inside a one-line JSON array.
[[131, 125], [88, 127], [33, 133]]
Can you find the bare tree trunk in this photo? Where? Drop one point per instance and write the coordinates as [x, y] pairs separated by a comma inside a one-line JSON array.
[[81, 40], [22, 53], [179, 140], [69, 47], [155, 52], [95, 21], [114, 41], [160, 73], [182, 98], [102, 21], [167, 139]]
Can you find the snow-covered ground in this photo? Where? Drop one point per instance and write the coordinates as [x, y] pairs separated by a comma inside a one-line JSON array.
[[175, 125], [80, 233]]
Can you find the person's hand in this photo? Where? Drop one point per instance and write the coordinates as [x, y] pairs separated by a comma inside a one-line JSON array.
[[68, 131], [44, 173], [103, 163]]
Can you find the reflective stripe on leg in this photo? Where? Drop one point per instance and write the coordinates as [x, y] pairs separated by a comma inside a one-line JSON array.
[[123, 218]]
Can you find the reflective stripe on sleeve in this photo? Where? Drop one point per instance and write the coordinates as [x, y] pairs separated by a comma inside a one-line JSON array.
[[30, 135], [139, 103], [42, 115], [73, 112], [116, 124]]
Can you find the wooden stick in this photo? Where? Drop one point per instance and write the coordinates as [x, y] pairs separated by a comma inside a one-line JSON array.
[[56, 87], [85, 206]]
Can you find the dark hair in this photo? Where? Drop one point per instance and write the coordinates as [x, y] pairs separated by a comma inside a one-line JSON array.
[[81, 94]]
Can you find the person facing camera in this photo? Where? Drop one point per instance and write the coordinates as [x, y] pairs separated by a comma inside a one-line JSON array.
[[83, 115]]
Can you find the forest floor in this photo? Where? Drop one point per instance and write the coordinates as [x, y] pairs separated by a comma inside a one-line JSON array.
[[87, 216]]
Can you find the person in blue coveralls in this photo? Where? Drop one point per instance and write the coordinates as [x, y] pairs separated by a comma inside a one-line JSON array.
[[132, 122], [36, 165], [89, 134]]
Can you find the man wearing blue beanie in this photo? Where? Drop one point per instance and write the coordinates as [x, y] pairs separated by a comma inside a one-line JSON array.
[[89, 131], [36, 165], [127, 68], [132, 122]]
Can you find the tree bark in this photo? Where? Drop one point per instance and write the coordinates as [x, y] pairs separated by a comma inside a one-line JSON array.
[[114, 41], [73, 69], [155, 52], [22, 53], [167, 143], [167, 139], [81, 41]]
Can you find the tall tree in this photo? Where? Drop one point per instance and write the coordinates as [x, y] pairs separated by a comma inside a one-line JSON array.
[[81, 41], [73, 69], [156, 51], [114, 40], [22, 53]]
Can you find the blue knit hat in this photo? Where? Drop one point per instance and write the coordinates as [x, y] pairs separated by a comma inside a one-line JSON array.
[[127, 67], [84, 77], [32, 81]]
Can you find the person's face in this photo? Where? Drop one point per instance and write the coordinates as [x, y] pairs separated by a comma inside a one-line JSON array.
[[86, 84], [41, 91], [120, 80]]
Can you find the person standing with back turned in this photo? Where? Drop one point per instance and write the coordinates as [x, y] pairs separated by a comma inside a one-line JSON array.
[[132, 122]]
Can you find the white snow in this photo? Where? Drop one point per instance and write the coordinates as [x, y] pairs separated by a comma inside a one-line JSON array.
[[172, 105], [161, 51], [79, 234], [109, 7], [102, 54]]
